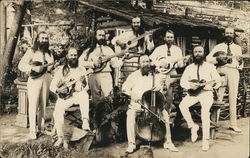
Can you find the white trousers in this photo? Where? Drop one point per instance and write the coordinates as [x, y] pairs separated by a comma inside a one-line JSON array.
[[206, 100], [166, 81], [134, 108], [100, 85], [38, 94], [80, 98], [232, 81]]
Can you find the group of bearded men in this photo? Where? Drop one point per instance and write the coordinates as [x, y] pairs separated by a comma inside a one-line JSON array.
[[137, 80]]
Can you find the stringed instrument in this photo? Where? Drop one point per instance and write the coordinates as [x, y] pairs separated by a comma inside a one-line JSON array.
[[202, 84], [129, 43], [104, 59], [150, 126], [34, 74], [170, 64], [223, 59], [70, 84]]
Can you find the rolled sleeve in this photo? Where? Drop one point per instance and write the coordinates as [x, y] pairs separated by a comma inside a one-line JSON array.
[[24, 64]]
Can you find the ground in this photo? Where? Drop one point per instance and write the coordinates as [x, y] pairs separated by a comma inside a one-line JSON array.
[[226, 145]]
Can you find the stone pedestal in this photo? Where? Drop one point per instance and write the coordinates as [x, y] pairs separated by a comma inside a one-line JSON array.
[[22, 116]]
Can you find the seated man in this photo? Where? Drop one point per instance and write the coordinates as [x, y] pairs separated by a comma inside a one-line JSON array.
[[70, 72], [136, 84], [199, 71]]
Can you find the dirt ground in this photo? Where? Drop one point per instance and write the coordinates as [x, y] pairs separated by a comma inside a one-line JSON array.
[[226, 145]]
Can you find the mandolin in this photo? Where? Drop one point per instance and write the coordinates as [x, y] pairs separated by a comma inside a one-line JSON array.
[[170, 66], [70, 84], [34, 74], [223, 59], [202, 84]]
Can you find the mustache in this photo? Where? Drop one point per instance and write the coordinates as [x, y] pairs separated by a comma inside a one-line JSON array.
[[73, 62], [101, 42]]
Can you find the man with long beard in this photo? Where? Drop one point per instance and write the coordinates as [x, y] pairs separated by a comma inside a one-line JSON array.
[[100, 83], [69, 72], [142, 46], [231, 71], [38, 88], [164, 56], [136, 84], [201, 72]]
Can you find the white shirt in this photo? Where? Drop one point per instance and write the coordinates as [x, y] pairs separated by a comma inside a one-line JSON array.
[[74, 73], [161, 52], [31, 56], [207, 71], [235, 50], [106, 51], [138, 84]]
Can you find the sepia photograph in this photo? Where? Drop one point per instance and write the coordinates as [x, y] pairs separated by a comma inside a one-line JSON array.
[[124, 79]]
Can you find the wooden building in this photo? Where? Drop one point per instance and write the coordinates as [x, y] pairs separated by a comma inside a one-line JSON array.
[[116, 18]]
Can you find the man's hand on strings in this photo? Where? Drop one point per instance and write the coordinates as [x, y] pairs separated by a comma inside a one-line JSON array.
[[194, 85], [62, 90], [36, 68], [134, 97]]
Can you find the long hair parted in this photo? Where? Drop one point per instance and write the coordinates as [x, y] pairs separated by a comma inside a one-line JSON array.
[[36, 43], [140, 32], [93, 42], [65, 69]]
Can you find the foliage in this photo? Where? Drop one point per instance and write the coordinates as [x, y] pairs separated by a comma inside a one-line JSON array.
[[78, 37], [45, 150]]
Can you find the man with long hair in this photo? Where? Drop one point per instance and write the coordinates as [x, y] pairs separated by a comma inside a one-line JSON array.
[[38, 88], [100, 82], [195, 74], [231, 71], [77, 93], [135, 86], [142, 46]]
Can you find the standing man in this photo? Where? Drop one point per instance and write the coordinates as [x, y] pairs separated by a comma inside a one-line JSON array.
[[142, 46], [136, 84], [38, 88], [100, 82], [200, 71], [164, 56], [69, 72], [230, 69]]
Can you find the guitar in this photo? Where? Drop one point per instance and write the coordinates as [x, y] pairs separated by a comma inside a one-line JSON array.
[[170, 65], [133, 42], [104, 59], [70, 84], [202, 84], [34, 74], [223, 59], [129, 45]]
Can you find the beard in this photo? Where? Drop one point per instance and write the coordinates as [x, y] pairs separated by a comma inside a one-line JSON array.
[[198, 60], [43, 46], [73, 63], [169, 43], [145, 70], [136, 29], [228, 39], [101, 41]]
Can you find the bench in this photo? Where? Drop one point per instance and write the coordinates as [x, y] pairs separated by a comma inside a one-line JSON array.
[[179, 93]]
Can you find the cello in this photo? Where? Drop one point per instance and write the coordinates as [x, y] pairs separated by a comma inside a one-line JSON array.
[[150, 125]]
